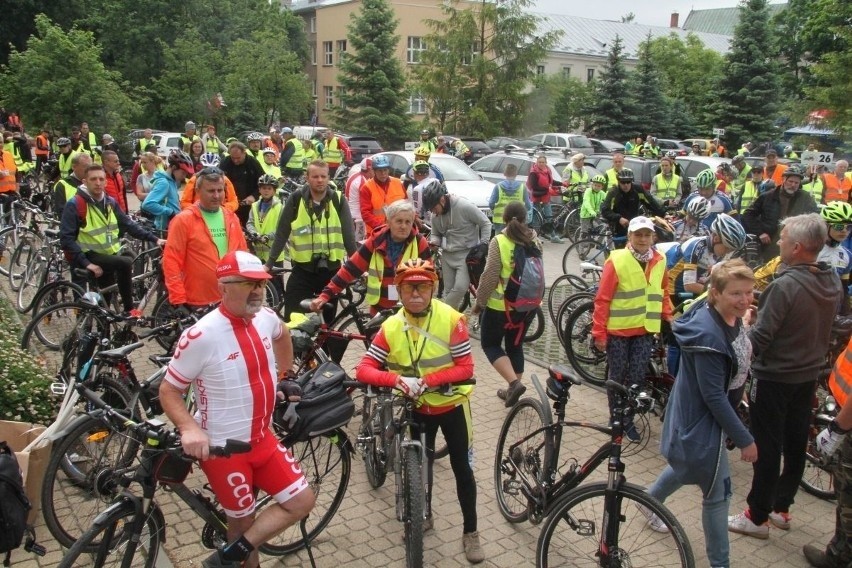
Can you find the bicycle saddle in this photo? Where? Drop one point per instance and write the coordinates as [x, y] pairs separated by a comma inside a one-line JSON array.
[[563, 374]]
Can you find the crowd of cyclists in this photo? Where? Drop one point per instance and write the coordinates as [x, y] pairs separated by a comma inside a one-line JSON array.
[[208, 202]]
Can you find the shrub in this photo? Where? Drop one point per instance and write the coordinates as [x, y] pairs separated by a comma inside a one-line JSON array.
[[24, 385]]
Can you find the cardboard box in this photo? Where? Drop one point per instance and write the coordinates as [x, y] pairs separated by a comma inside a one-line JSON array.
[[33, 463]]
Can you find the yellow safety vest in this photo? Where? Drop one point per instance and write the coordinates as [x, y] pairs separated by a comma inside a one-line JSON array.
[[271, 169], [257, 156], [12, 148], [611, 178], [433, 351], [667, 189], [504, 199], [212, 145], [815, 188], [297, 160], [507, 251], [376, 271], [144, 143], [310, 236], [750, 193], [266, 226], [739, 181], [332, 152], [310, 156], [185, 142], [101, 232], [70, 190], [65, 163], [637, 302]]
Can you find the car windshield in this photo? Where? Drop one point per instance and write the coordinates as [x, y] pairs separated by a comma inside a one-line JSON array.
[[580, 142], [454, 170], [526, 143]]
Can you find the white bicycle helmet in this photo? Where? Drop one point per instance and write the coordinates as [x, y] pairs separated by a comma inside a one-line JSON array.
[[729, 230], [210, 160], [698, 207]]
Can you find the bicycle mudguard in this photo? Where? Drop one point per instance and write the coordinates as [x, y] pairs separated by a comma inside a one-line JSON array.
[[76, 421]]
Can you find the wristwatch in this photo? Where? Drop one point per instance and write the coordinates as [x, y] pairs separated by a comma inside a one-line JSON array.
[[833, 426]]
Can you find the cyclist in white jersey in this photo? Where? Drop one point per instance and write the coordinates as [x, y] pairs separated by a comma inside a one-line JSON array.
[[838, 216], [230, 357]]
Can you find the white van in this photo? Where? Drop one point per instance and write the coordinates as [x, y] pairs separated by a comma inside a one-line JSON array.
[[307, 132]]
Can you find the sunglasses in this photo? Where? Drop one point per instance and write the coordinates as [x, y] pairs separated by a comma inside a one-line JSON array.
[[210, 171], [421, 287], [249, 284], [840, 226]]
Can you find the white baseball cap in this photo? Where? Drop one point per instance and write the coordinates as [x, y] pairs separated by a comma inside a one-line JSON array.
[[638, 223]]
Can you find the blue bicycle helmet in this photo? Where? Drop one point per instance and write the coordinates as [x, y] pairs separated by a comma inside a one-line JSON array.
[[381, 162]]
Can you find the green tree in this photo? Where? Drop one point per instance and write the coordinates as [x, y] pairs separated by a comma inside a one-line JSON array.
[[374, 97], [277, 87], [682, 122], [653, 113], [611, 112], [571, 104], [689, 71], [747, 96], [832, 78], [18, 22], [83, 89], [486, 57]]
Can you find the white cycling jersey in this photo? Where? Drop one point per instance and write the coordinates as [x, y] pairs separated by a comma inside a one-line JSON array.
[[230, 362]]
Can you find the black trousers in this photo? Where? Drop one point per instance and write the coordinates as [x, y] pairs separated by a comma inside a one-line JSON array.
[[780, 415], [117, 268]]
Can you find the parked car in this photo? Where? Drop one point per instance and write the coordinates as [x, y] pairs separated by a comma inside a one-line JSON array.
[[361, 145], [567, 143], [667, 144], [459, 178], [478, 149], [703, 144], [606, 146], [491, 167], [166, 142], [761, 161], [644, 170], [500, 142], [691, 165]]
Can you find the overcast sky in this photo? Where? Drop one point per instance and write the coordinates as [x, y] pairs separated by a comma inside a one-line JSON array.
[[651, 12]]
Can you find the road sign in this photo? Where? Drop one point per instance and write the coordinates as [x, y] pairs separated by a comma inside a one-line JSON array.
[[719, 131], [812, 157]]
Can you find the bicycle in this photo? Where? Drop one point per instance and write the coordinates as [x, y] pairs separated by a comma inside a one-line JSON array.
[[388, 440], [586, 255], [530, 487]]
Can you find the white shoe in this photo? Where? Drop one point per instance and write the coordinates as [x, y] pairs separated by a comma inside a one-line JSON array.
[[741, 524], [654, 522]]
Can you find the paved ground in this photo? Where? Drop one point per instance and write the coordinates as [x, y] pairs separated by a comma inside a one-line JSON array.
[[366, 533]]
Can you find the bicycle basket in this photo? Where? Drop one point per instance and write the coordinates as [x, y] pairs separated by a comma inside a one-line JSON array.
[[170, 468]]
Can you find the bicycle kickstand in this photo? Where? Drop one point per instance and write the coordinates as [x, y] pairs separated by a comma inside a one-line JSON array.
[[303, 528]]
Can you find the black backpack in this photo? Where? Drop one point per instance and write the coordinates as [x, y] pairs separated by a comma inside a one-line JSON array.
[[14, 505], [325, 405]]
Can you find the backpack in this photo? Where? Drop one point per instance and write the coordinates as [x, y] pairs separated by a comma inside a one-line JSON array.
[[325, 405], [524, 289], [475, 261], [14, 505]]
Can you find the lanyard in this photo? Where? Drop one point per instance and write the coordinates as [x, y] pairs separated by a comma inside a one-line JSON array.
[[422, 338]]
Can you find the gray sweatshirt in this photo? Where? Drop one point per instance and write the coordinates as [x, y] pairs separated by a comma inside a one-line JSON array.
[[794, 316], [460, 226]]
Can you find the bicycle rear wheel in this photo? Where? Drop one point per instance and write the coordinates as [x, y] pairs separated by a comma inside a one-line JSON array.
[[412, 495], [23, 246], [526, 459], [327, 464], [109, 542], [567, 308], [34, 276], [56, 293], [818, 479], [579, 345], [535, 328], [584, 258], [564, 286], [576, 531]]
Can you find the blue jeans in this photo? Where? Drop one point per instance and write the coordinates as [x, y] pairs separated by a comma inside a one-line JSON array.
[[714, 508]]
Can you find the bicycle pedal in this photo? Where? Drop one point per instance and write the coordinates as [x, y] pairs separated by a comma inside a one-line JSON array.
[[585, 527], [58, 388], [35, 548]]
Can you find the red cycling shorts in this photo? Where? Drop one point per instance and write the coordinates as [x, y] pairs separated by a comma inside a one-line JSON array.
[[269, 466]]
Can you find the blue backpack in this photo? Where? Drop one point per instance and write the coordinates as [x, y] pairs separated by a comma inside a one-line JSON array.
[[524, 289]]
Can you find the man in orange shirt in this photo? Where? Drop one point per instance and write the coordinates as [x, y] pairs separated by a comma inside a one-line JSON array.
[[773, 169], [42, 149], [198, 238], [114, 179], [838, 184], [378, 193]]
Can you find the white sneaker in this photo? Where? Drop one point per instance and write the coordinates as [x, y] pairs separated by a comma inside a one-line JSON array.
[[741, 524], [780, 520], [654, 522]]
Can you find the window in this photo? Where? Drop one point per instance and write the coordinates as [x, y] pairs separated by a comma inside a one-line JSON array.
[[590, 75], [341, 94], [539, 70], [416, 47], [566, 71], [489, 164], [467, 59], [314, 89], [328, 93], [312, 24], [416, 104], [341, 50], [313, 55], [327, 53]]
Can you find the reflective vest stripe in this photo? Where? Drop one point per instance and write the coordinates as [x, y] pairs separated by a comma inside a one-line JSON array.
[[838, 382], [309, 236], [297, 160], [629, 309], [670, 189], [507, 251]]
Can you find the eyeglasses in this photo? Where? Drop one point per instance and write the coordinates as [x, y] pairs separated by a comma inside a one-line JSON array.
[[840, 227], [248, 284], [209, 171], [421, 287]]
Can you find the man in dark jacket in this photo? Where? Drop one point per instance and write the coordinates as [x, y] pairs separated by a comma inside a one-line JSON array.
[[243, 171], [763, 218], [622, 203], [790, 340]]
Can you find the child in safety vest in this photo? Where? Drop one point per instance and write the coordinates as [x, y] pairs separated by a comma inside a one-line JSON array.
[[592, 199], [262, 222]]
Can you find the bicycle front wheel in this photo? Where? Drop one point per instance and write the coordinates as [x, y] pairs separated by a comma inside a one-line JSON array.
[[412, 495], [327, 464], [109, 542], [54, 293], [375, 448], [520, 455], [34, 277], [585, 258], [578, 530]]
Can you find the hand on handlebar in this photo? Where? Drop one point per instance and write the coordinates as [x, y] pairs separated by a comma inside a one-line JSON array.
[[182, 311], [316, 305], [412, 387], [195, 443]]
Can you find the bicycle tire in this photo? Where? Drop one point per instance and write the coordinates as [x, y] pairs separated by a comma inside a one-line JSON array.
[[22, 245], [564, 286], [566, 309], [579, 346], [71, 498], [376, 448], [525, 418], [34, 277], [818, 478], [412, 495], [162, 314], [535, 328], [104, 544], [56, 293], [561, 544], [536, 220], [327, 464], [572, 224], [588, 251]]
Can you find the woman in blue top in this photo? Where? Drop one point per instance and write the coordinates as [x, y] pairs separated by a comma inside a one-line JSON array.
[[163, 201]]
